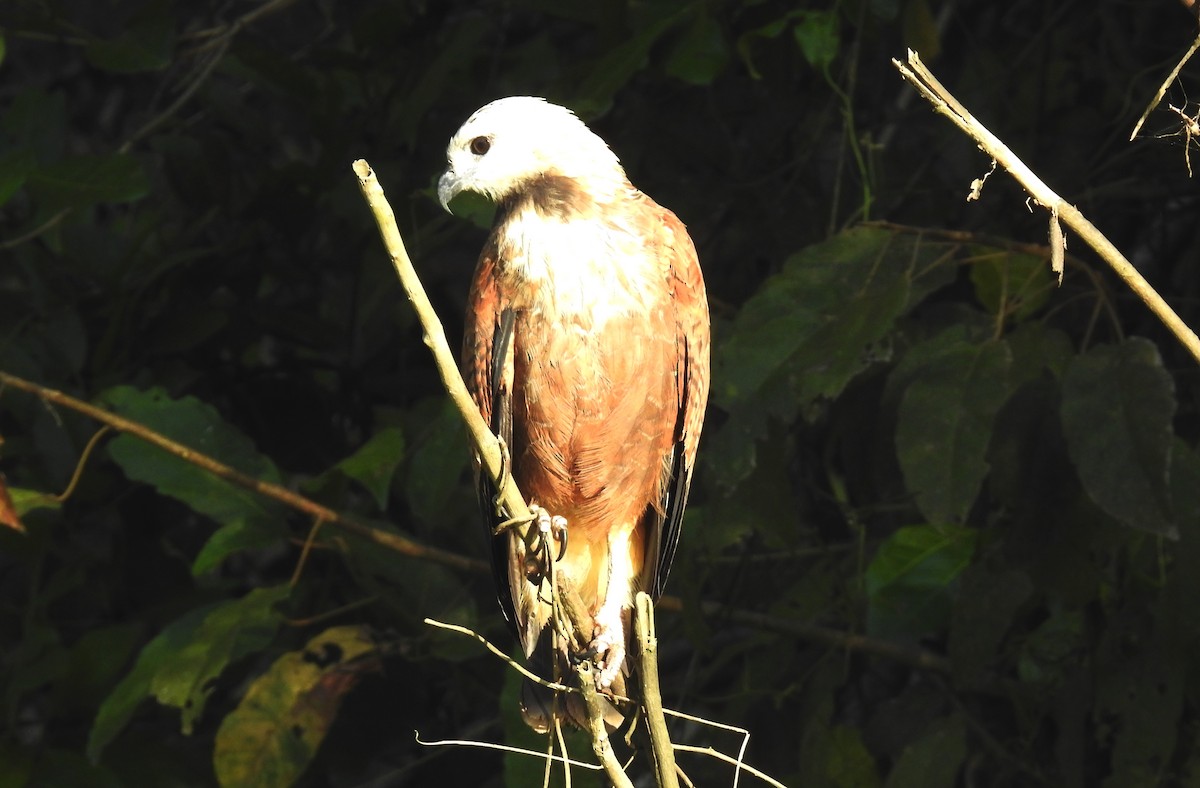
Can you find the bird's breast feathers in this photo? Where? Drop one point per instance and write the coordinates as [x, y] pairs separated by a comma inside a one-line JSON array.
[[583, 270]]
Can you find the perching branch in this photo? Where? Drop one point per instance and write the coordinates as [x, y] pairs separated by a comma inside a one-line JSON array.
[[650, 694], [946, 104], [486, 444]]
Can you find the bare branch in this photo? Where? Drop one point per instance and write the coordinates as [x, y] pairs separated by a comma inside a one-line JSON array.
[[650, 694], [601, 746], [1162, 89], [393, 541], [945, 103], [512, 663]]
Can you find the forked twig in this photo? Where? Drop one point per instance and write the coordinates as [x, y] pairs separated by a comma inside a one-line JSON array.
[[1162, 89], [946, 104]]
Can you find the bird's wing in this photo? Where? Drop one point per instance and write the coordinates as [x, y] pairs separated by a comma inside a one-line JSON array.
[[487, 368], [685, 286]]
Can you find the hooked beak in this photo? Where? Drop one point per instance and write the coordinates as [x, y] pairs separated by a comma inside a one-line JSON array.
[[448, 186]]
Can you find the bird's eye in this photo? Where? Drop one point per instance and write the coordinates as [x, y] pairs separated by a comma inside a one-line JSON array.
[[480, 145]]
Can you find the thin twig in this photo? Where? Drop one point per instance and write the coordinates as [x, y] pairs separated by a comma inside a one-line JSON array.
[[720, 756], [503, 748], [1162, 89], [946, 104], [392, 541], [499, 653]]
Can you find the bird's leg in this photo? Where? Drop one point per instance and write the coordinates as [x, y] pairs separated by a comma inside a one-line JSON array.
[[608, 640]]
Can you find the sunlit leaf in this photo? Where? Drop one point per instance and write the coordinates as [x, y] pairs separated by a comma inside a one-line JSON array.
[[230, 631], [279, 725], [1117, 407], [118, 708]]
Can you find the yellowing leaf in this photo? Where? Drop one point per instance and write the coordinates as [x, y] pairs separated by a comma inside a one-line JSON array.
[[276, 729]]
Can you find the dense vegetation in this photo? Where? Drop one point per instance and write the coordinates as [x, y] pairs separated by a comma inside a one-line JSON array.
[[964, 501]]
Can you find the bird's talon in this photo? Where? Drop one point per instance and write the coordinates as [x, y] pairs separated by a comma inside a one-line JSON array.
[[558, 527]]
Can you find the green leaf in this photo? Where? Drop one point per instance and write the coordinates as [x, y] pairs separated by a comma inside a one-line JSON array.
[[1016, 284], [700, 54], [238, 534], [230, 631], [375, 463], [80, 181], [944, 425], [822, 319], [1118, 404], [277, 728], [198, 426], [934, 760], [436, 458], [908, 581], [811, 329], [118, 708], [818, 36]]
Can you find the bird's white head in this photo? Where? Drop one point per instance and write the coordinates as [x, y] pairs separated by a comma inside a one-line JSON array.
[[510, 142]]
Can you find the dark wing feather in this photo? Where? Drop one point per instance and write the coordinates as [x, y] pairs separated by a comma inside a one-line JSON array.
[[487, 346], [690, 306]]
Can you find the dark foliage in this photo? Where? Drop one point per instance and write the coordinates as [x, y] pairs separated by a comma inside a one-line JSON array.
[[915, 438]]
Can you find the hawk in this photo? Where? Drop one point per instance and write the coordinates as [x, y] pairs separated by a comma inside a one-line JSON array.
[[587, 350]]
